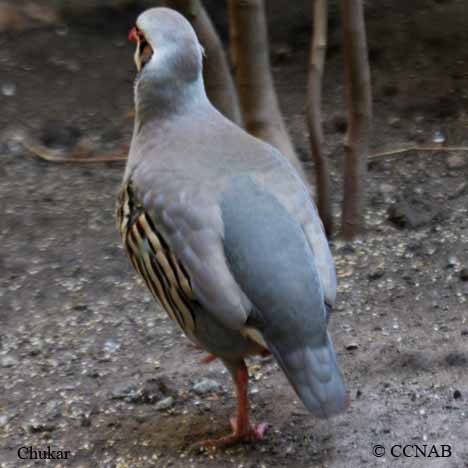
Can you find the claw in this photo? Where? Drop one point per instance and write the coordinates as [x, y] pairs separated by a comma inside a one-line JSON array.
[[255, 432], [250, 434]]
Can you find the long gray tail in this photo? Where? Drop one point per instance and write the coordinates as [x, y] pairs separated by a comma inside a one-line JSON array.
[[313, 372]]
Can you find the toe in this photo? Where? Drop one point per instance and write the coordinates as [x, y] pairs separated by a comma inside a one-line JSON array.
[[259, 431]]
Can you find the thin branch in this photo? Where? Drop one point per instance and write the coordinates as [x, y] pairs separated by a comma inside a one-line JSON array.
[[78, 155], [233, 35], [218, 79], [260, 108], [406, 149], [359, 116], [314, 115]]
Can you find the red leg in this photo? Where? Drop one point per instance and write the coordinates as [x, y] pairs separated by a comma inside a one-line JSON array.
[[208, 359], [242, 429]]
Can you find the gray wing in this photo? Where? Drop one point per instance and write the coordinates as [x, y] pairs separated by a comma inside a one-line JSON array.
[[290, 190], [271, 258], [190, 222], [316, 237]]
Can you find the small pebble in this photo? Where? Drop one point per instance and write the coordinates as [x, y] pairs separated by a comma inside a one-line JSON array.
[[394, 122], [452, 261], [9, 361], [54, 409], [61, 30], [111, 346], [123, 390], [206, 386], [457, 395], [458, 190], [376, 273], [439, 137], [164, 404], [387, 188], [8, 89]]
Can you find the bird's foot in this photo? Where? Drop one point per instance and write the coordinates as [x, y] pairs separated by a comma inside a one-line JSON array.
[[246, 434], [252, 432]]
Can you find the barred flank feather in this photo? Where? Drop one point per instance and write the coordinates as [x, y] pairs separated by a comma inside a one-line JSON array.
[[152, 258]]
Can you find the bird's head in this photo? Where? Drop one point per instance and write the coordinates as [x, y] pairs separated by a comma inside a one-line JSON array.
[[167, 48]]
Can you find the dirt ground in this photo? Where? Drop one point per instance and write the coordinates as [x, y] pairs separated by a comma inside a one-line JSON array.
[[89, 364]]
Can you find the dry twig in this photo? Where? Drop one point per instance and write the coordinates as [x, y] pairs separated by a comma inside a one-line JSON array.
[[407, 149], [314, 115], [259, 103], [359, 116], [78, 155]]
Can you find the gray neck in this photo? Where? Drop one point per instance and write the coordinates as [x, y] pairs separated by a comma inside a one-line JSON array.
[[157, 100]]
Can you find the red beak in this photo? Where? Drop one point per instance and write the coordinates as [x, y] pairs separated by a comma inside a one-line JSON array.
[[134, 34]]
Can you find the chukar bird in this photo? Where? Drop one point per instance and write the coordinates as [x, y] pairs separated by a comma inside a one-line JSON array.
[[222, 229]]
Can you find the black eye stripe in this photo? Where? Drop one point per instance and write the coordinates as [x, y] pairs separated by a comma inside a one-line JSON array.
[[143, 44], [144, 58]]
